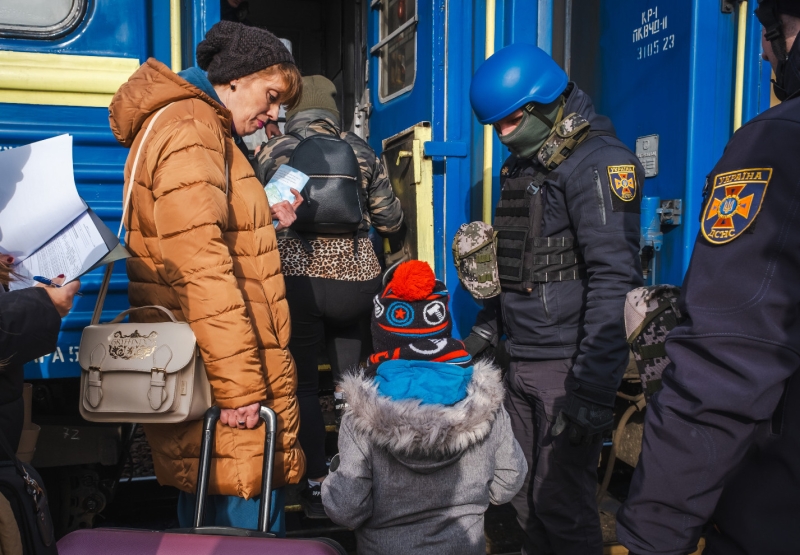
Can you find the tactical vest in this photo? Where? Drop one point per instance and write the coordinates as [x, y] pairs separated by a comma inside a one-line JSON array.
[[524, 257]]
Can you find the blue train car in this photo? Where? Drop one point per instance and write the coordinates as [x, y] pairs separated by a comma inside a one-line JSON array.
[[677, 77]]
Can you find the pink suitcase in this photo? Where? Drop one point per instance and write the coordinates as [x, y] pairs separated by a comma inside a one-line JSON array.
[[203, 540]]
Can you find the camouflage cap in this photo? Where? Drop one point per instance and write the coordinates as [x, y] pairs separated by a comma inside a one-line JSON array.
[[476, 260]]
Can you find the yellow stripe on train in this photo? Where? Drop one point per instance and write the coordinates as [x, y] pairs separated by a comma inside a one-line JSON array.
[[61, 79]]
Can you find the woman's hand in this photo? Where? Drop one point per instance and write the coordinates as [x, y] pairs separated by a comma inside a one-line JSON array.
[[284, 212], [241, 418], [62, 296]]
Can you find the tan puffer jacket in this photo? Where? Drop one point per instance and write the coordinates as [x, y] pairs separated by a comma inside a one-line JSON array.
[[210, 256]]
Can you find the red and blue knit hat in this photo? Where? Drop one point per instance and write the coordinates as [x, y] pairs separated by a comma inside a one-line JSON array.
[[412, 306], [411, 320]]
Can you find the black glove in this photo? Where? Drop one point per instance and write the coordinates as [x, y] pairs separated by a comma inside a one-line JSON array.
[[397, 239], [583, 420], [475, 344]]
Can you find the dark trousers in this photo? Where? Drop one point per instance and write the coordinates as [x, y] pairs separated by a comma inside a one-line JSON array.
[[326, 313], [556, 506]]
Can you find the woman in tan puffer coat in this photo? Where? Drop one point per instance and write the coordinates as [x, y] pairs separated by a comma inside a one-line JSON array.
[[203, 245]]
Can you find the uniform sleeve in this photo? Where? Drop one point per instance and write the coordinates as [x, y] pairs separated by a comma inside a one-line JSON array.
[[347, 492], [510, 467], [607, 230], [731, 360], [275, 153], [385, 211], [191, 211], [29, 325]]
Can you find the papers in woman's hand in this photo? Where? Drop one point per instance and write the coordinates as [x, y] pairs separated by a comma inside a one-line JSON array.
[[44, 223], [38, 197], [72, 252], [285, 178]]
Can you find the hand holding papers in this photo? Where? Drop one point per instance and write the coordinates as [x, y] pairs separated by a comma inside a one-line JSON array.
[[283, 181], [44, 223], [285, 178]]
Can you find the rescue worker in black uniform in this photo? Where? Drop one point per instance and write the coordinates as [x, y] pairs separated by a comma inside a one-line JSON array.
[[722, 438], [568, 243]]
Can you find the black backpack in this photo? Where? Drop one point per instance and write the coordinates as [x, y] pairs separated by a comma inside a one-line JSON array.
[[22, 486], [333, 194]]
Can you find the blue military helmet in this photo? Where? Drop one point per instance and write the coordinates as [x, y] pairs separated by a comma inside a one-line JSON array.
[[511, 78]]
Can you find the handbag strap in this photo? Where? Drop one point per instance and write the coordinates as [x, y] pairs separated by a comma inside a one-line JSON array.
[[135, 166], [124, 313], [101, 294]]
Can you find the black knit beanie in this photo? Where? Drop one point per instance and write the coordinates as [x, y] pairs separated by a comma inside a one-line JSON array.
[[232, 50]]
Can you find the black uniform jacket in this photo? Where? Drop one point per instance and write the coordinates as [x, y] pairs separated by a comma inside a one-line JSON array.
[[581, 318], [722, 438], [29, 324]]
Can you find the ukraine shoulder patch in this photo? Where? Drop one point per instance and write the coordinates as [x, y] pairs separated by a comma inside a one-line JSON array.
[[622, 180], [734, 203]]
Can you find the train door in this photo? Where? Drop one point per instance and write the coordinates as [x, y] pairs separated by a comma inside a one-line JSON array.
[[419, 62]]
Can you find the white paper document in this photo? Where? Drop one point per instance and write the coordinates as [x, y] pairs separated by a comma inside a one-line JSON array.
[[38, 197], [72, 252], [285, 177]]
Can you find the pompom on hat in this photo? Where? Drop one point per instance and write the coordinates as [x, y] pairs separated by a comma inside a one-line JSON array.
[[232, 50], [411, 307]]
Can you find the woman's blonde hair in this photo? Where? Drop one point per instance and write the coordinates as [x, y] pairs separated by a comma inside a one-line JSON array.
[[5, 273], [291, 76]]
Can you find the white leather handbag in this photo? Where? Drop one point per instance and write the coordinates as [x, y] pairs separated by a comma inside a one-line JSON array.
[[140, 372]]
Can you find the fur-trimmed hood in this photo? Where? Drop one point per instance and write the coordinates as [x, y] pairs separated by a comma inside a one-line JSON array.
[[425, 437]]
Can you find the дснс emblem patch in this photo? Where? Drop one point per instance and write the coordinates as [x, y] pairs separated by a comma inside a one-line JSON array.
[[622, 180], [734, 203]]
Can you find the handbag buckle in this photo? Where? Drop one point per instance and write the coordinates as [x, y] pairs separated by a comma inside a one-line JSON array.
[[156, 394]]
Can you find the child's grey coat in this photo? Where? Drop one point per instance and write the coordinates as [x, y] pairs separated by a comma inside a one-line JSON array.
[[418, 479]]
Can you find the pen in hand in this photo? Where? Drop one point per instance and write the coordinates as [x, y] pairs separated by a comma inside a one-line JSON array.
[[47, 281]]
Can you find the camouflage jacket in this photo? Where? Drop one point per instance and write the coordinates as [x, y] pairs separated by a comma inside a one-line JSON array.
[[383, 207]]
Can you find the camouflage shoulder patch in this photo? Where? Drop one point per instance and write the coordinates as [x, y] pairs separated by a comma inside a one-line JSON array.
[[733, 203]]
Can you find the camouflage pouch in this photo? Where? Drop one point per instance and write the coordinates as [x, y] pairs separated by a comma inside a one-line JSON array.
[[650, 314], [565, 137], [475, 258]]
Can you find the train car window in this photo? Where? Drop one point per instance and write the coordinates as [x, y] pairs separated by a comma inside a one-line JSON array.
[[40, 19], [397, 47]]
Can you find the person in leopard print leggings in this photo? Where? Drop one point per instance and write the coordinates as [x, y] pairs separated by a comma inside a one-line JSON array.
[[329, 290]]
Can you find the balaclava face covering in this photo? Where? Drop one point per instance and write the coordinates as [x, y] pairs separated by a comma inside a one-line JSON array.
[[531, 133]]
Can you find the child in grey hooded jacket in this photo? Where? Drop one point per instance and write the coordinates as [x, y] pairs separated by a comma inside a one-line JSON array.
[[425, 444]]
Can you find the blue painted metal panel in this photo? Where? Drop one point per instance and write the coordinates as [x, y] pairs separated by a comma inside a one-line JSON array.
[[711, 73], [758, 72], [544, 34], [459, 129], [198, 16], [109, 28]]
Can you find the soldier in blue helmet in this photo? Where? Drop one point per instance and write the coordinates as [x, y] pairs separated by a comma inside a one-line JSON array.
[[568, 244], [721, 448]]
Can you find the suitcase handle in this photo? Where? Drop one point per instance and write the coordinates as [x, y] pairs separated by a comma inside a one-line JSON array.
[[204, 470]]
